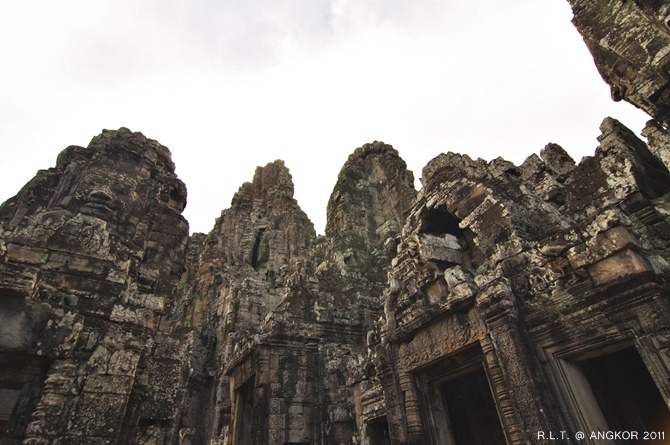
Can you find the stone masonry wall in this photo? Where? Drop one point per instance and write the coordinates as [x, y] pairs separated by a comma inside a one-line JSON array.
[[498, 303]]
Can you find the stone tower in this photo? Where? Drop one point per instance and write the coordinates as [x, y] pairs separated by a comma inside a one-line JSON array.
[[500, 304]]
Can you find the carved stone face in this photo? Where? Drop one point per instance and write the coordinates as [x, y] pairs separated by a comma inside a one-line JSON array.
[[117, 183], [98, 235], [106, 192]]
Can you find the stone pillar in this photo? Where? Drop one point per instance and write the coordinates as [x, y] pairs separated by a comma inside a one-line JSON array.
[[395, 412], [261, 400], [516, 376], [262, 365], [412, 409], [501, 393], [49, 420], [652, 341]]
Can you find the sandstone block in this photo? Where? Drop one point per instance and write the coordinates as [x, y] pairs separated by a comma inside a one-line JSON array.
[[25, 254], [618, 266]]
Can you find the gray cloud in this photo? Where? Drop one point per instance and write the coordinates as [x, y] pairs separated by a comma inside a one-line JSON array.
[[228, 85], [237, 34]]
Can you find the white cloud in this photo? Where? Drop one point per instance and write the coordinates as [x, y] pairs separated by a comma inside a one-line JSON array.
[[228, 85]]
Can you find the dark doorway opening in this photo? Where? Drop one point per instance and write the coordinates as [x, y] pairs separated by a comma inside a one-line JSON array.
[[471, 410], [244, 414], [378, 432], [626, 393], [21, 381]]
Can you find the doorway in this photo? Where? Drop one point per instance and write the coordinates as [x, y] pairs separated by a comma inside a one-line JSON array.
[[471, 410]]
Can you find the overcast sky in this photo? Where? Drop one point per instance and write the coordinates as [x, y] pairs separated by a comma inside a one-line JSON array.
[[228, 85]]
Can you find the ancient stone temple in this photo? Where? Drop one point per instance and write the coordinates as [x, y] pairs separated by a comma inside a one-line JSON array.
[[521, 296], [500, 304]]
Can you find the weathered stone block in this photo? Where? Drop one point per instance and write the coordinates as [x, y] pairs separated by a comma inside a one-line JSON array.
[[99, 414], [622, 238], [123, 362], [276, 406], [338, 413], [296, 421], [99, 360], [444, 249], [47, 420], [79, 264], [473, 201], [165, 383], [277, 436], [53, 399], [462, 292], [134, 315], [25, 254], [112, 384], [580, 256], [618, 266], [557, 244], [436, 291], [297, 436], [276, 421], [455, 276], [148, 301]]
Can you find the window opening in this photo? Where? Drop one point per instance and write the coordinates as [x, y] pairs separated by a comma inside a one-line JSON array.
[[438, 222]]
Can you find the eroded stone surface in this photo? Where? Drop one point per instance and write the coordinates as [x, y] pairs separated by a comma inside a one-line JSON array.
[[92, 251], [118, 328], [630, 44], [497, 263], [499, 296], [283, 314]]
